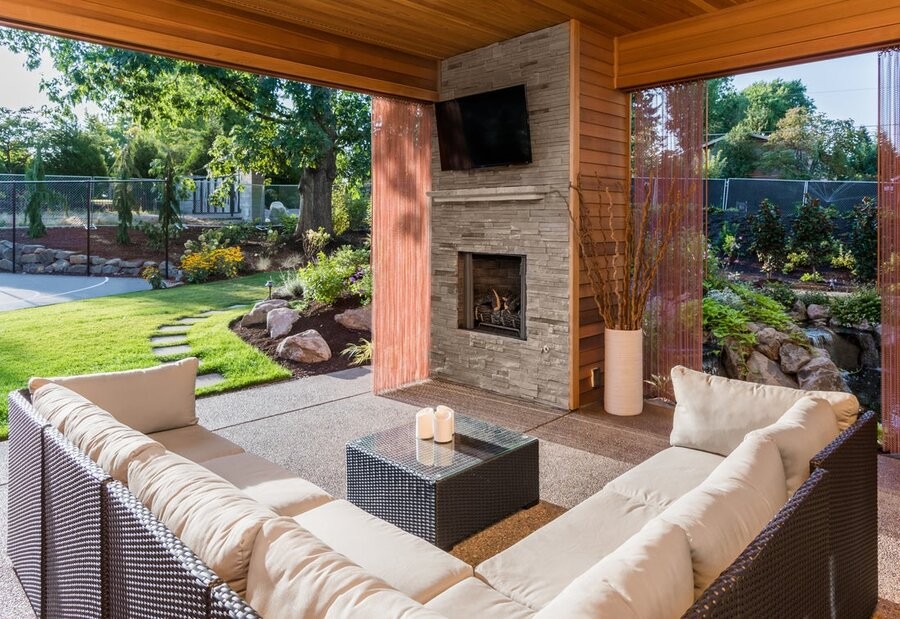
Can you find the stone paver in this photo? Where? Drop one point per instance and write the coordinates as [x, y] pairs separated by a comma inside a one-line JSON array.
[[163, 351], [190, 320], [211, 313], [162, 340], [174, 329], [208, 380]]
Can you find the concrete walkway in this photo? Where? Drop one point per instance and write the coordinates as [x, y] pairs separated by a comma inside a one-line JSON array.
[[18, 290]]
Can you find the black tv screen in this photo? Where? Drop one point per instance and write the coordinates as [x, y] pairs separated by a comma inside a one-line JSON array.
[[484, 130]]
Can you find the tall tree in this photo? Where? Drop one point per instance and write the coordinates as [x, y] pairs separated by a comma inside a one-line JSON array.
[[769, 102], [268, 125], [726, 106], [796, 146], [20, 132]]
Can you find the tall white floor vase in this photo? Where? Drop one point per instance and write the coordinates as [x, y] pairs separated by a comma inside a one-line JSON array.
[[623, 375]]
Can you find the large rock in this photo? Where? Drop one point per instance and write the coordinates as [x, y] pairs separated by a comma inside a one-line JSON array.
[[28, 249], [277, 211], [818, 312], [761, 369], [78, 259], [280, 321], [28, 258], [869, 355], [60, 266], [821, 374], [62, 254], [257, 315], [732, 361], [6, 265], [794, 357], [769, 341], [359, 319], [798, 311], [306, 347], [46, 256]]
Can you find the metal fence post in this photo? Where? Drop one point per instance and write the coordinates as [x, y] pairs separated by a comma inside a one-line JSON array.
[[90, 198], [14, 227]]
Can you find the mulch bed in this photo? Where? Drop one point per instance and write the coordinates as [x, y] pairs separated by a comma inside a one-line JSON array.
[[320, 318], [103, 242]]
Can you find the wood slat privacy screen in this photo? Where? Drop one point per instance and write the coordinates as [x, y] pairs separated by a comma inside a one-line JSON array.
[[401, 242], [669, 125], [889, 241]]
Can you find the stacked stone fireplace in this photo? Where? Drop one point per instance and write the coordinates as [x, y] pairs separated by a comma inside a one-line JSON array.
[[506, 327]]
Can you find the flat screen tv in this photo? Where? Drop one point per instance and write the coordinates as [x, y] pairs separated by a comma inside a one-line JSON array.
[[484, 130]]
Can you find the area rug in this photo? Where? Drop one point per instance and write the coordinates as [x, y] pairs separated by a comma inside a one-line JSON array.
[[500, 536]]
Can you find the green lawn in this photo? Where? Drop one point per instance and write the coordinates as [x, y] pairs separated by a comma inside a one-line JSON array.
[[113, 333]]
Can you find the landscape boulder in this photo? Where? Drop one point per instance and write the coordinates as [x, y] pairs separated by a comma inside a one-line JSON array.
[[277, 212], [358, 319], [817, 312], [306, 347], [794, 357], [769, 341], [761, 369], [821, 374], [280, 321], [257, 315]]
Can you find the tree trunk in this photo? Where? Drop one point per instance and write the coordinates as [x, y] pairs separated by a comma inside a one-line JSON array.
[[315, 192]]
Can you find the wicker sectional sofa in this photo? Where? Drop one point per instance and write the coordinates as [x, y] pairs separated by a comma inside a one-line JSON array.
[[120, 505]]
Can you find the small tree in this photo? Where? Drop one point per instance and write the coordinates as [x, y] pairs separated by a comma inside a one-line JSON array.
[[123, 197], [768, 237], [38, 195], [812, 229], [864, 239]]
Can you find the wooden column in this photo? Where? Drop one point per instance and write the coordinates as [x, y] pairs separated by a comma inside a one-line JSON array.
[[401, 242]]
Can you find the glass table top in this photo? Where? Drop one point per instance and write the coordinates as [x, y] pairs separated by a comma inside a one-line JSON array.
[[474, 443]]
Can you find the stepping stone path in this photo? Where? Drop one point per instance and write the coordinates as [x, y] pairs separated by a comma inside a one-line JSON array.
[[172, 340]]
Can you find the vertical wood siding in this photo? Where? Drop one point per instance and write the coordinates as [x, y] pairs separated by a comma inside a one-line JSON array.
[[401, 242], [889, 241]]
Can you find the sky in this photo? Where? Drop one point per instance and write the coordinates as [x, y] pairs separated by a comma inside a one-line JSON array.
[[841, 88]]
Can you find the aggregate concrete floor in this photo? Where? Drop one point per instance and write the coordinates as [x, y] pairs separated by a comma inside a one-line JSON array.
[[304, 424], [18, 290]]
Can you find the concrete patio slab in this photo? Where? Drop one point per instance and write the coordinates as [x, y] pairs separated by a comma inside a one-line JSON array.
[[223, 410]]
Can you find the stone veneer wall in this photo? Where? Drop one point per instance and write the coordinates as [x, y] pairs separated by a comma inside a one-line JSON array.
[[36, 259], [521, 211]]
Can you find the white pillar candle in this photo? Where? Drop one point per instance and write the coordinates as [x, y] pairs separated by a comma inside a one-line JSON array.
[[441, 407], [443, 425], [425, 423], [425, 452]]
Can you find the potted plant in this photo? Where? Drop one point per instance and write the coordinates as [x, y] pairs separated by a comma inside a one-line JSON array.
[[621, 281]]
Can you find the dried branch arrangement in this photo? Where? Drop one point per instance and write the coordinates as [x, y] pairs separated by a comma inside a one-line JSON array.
[[621, 280]]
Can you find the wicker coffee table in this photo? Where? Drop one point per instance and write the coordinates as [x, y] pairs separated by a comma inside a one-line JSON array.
[[443, 492]]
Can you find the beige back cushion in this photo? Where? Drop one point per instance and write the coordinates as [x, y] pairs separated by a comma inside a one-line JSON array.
[[648, 576], [294, 574], [216, 520], [723, 514], [714, 413], [804, 430], [148, 400], [109, 443]]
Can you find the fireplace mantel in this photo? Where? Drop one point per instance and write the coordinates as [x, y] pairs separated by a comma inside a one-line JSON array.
[[523, 193]]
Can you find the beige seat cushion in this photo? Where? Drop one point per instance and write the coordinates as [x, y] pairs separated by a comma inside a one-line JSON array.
[[802, 432], [649, 575], [109, 443], [216, 520], [406, 562], [533, 571], [723, 514], [266, 482], [196, 443], [293, 574], [474, 598], [666, 476], [148, 400], [714, 413]]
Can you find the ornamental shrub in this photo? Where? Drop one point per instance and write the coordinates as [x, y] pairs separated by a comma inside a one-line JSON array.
[[812, 230], [328, 278], [727, 324], [780, 292], [769, 238], [862, 304], [204, 265], [864, 239]]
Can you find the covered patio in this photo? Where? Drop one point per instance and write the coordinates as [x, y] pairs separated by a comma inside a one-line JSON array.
[[580, 62]]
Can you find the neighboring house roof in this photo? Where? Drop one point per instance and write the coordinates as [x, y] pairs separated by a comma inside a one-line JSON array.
[[762, 137]]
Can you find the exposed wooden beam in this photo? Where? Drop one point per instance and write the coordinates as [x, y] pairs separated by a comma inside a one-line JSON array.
[[202, 32], [764, 33]]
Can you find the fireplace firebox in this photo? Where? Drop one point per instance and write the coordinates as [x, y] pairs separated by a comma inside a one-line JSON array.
[[492, 293]]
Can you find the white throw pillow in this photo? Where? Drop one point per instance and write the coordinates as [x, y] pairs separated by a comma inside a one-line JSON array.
[[726, 512], [715, 413], [148, 400], [802, 432], [649, 576]]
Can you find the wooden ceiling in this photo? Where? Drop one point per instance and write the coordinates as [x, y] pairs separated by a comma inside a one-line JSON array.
[[394, 47]]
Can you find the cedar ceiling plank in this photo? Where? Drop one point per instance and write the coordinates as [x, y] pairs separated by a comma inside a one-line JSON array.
[[287, 52]]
